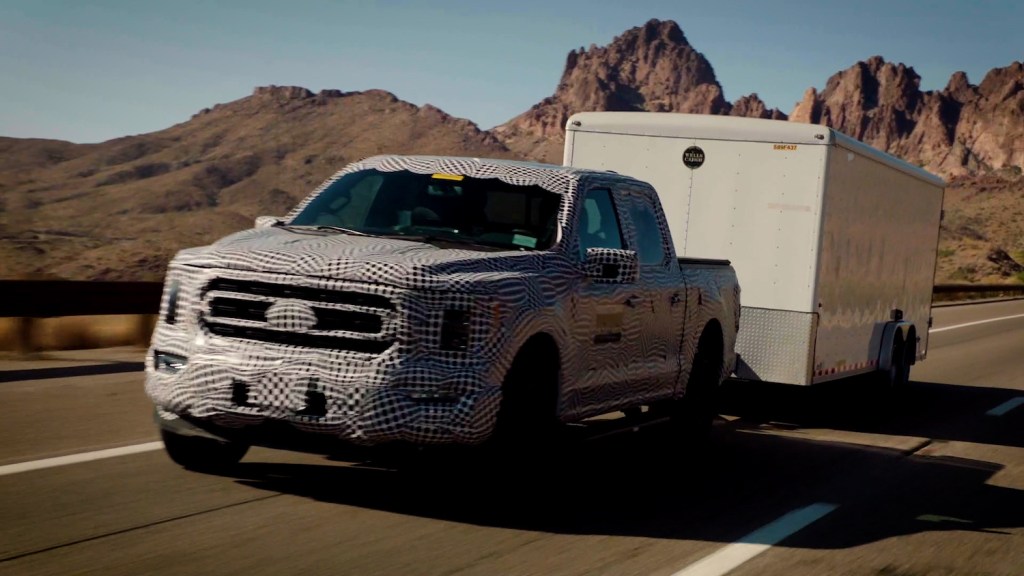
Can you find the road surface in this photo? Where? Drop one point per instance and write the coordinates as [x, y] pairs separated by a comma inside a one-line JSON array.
[[798, 483]]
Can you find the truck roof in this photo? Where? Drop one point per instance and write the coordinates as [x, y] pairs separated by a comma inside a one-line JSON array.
[[553, 177], [718, 127]]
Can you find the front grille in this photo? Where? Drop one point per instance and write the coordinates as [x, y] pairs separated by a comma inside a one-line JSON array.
[[244, 318], [327, 319]]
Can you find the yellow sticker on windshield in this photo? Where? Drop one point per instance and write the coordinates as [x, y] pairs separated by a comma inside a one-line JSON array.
[[456, 177]]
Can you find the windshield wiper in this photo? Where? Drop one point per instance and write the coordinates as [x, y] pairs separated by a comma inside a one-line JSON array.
[[328, 227], [448, 239]]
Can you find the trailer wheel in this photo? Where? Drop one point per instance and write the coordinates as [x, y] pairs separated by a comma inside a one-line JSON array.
[[202, 454], [896, 378]]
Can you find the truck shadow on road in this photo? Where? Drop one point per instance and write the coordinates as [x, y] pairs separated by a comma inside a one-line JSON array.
[[939, 412], [640, 484]]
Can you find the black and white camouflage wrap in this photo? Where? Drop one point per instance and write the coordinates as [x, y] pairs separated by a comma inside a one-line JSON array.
[[268, 319]]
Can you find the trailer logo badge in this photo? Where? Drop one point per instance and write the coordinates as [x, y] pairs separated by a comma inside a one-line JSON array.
[[693, 157]]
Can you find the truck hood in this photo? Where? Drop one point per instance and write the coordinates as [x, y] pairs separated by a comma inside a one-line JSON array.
[[401, 263]]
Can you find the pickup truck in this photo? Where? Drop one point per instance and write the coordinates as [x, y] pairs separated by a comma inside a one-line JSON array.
[[427, 300]]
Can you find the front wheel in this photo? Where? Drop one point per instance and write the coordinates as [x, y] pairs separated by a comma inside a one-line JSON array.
[[527, 425], [202, 454]]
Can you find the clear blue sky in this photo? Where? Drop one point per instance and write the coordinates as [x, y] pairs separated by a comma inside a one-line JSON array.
[[87, 71]]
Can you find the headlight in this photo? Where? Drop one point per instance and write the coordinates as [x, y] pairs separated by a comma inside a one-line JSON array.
[[455, 330], [168, 363]]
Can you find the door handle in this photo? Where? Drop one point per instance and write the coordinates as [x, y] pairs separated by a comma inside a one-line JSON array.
[[634, 301], [676, 299]]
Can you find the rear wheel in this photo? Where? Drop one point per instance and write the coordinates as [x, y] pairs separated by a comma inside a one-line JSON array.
[[895, 379], [888, 388], [202, 454], [693, 416]]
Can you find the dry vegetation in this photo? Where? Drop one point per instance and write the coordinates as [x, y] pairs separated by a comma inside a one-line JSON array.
[[119, 210], [982, 238]]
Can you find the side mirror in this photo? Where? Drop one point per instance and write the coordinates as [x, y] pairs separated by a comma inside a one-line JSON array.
[[611, 266], [268, 221]]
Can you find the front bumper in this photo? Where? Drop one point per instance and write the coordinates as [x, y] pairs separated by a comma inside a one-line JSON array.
[[414, 404]]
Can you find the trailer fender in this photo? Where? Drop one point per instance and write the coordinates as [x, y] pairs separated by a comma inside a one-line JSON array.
[[906, 333]]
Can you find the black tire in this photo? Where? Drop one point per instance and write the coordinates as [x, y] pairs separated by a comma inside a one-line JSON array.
[[527, 425], [888, 389], [202, 454], [894, 380], [693, 416]]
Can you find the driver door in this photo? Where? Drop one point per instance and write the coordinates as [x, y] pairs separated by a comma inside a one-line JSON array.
[[608, 317]]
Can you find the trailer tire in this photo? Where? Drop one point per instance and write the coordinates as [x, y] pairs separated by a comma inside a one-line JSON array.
[[202, 454], [896, 378], [888, 389]]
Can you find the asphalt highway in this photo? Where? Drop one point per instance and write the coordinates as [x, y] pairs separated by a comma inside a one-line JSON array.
[[794, 482]]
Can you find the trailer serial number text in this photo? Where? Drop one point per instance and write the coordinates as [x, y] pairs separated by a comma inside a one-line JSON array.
[[784, 146]]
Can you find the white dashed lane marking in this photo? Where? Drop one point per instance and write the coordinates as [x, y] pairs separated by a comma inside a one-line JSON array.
[[758, 541], [78, 458], [1006, 406], [944, 328]]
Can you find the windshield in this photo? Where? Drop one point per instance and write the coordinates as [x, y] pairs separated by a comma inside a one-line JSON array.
[[454, 208]]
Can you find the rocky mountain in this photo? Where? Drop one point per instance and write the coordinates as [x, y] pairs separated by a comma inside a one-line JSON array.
[[120, 209], [647, 68], [961, 129]]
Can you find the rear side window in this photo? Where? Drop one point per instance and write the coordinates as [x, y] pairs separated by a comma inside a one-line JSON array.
[[650, 241]]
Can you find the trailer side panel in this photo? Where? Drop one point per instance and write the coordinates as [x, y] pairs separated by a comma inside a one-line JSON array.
[[878, 251]]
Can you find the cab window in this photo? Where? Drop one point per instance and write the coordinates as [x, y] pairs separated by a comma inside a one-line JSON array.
[[599, 224]]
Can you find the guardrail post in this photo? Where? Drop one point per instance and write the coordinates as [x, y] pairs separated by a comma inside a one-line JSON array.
[[144, 326], [24, 328]]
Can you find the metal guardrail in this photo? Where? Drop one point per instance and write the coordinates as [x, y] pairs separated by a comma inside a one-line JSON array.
[[53, 298], [956, 292]]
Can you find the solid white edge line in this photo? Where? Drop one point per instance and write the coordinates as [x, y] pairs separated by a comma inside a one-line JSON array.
[[944, 328], [1006, 406], [78, 458], [758, 541]]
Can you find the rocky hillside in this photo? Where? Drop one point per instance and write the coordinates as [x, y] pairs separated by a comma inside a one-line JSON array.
[[973, 135], [648, 68], [959, 130], [120, 209]]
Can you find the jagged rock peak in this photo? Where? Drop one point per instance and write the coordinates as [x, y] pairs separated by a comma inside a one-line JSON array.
[[282, 92], [958, 130], [752, 106], [646, 68]]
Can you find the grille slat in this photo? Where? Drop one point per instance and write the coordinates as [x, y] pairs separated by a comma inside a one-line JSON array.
[[300, 339], [222, 307], [362, 322], [301, 293]]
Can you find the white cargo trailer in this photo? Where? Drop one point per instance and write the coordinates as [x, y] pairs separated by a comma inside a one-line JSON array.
[[834, 242]]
